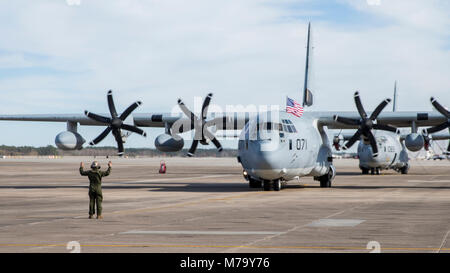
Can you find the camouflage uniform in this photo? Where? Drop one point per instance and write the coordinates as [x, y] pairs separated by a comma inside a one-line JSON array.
[[95, 188]]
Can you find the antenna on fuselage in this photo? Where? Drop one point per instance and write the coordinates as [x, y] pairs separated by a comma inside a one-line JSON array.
[[394, 104], [307, 94]]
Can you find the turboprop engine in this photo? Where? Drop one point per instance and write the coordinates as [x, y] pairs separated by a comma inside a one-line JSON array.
[[69, 141], [168, 143], [414, 142]]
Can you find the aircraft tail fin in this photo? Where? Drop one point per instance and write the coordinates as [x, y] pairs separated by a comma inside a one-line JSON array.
[[308, 98]]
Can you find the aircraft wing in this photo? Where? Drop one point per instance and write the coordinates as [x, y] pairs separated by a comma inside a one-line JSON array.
[[346, 137], [396, 119], [141, 120], [440, 136], [236, 121]]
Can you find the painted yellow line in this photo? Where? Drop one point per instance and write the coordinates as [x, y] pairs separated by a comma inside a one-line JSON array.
[[233, 246]]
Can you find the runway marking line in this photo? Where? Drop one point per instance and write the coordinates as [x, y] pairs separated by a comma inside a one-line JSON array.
[[213, 199], [233, 246]]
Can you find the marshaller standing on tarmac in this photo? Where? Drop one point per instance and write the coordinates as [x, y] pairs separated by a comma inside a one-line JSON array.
[[95, 187]]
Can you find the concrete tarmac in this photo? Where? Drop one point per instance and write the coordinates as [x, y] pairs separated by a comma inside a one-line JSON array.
[[205, 205]]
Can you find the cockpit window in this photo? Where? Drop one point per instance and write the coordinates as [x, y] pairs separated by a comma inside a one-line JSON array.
[[288, 126]]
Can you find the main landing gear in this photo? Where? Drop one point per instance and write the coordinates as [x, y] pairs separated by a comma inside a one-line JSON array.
[[372, 170], [404, 169], [325, 180]]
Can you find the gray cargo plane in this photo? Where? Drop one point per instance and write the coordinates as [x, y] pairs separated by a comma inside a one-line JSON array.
[[273, 147], [392, 153]]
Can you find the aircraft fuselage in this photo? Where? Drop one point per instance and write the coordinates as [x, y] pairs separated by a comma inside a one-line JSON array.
[[283, 148]]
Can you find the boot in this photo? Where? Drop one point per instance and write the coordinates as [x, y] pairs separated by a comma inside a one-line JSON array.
[[90, 216], [99, 217]]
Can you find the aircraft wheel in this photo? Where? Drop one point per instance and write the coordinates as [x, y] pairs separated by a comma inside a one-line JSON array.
[[325, 184], [372, 171], [404, 170], [267, 185], [325, 181], [252, 183], [365, 171], [377, 171], [277, 185]]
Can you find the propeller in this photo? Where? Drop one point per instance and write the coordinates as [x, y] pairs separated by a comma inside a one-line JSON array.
[[200, 125], [115, 123], [442, 126], [366, 124]]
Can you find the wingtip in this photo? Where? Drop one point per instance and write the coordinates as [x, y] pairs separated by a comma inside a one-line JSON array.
[[86, 112]]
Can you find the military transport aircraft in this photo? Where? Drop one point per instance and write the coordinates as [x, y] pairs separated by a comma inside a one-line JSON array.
[[392, 152], [273, 147]]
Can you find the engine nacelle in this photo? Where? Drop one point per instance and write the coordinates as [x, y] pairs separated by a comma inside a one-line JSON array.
[[69, 141], [167, 143], [414, 142]]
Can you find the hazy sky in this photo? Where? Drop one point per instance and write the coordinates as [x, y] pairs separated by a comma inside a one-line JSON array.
[[60, 57]]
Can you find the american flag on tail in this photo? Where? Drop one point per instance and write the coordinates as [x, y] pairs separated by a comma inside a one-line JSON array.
[[294, 107]]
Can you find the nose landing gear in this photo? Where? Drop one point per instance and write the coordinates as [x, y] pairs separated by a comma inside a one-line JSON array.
[[253, 183], [375, 171], [269, 185]]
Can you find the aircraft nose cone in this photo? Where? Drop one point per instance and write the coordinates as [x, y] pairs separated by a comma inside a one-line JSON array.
[[260, 163], [367, 157]]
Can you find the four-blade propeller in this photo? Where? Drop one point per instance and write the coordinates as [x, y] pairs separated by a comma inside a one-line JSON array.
[[115, 123], [366, 124], [200, 125], [441, 126]]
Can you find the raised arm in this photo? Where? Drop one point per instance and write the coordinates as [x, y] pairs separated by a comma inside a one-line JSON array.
[[108, 171], [82, 172]]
